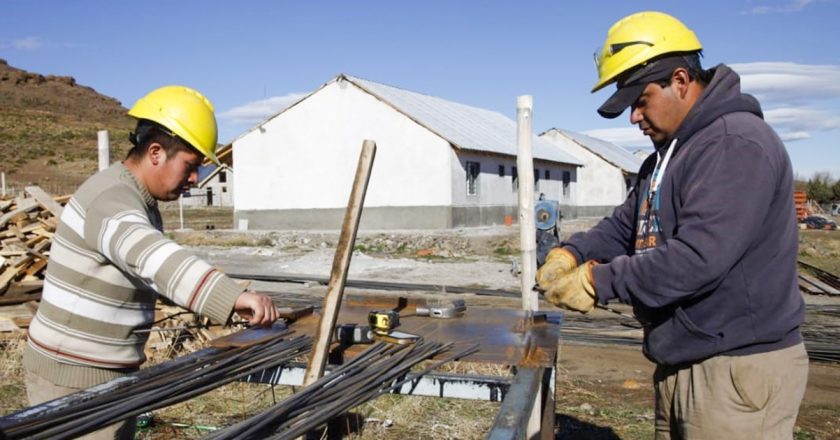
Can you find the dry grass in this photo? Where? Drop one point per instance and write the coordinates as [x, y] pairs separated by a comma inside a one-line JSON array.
[[12, 388], [821, 248], [600, 409]]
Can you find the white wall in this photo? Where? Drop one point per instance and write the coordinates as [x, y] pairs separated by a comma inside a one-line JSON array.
[[495, 190], [599, 183], [306, 157], [221, 197]]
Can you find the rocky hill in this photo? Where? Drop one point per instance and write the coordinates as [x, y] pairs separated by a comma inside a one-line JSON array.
[[48, 129]]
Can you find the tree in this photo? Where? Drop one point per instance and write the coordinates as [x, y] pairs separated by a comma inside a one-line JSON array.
[[835, 190], [820, 189]]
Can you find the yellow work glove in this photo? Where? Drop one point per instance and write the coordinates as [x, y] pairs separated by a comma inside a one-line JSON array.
[[559, 261], [574, 290]]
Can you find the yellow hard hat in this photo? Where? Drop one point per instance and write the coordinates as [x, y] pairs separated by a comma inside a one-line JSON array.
[[185, 112], [638, 38]]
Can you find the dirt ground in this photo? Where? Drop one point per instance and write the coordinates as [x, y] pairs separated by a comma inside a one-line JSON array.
[[603, 391]]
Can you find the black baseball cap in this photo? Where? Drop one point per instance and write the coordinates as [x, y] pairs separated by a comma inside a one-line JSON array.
[[632, 86]]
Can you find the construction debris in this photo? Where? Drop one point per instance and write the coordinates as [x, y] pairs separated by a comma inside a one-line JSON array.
[[27, 226]]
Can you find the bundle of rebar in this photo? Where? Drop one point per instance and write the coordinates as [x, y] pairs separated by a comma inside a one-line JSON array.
[[157, 387], [823, 275], [378, 370]]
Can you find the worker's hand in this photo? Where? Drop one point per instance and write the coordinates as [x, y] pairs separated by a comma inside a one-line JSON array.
[[574, 290], [559, 261], [257, 308]]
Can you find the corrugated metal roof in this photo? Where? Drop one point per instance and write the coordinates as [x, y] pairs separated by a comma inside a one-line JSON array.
[[465, 127], [610, 152]]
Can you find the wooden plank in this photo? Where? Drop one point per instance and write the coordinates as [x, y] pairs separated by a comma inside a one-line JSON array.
[[45, 200], [36, 267], [7, 277], [819, 284], [7, 325], [22, 321], [341, 265], [11, 297], [808, 287], [35, 240], [20, 314], [23, 207], [16, 232], [49, 223], [63, 199]]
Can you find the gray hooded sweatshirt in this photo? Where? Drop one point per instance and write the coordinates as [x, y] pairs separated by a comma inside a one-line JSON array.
[[706, 257]]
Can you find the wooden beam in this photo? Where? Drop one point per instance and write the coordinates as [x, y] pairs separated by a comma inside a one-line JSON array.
[[45, 200], [24, 206], [341, 265]]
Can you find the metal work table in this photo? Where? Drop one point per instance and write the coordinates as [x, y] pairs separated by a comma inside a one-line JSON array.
[[504, 337]]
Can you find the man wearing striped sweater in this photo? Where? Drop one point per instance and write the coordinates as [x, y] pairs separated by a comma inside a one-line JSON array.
[[109, 259]]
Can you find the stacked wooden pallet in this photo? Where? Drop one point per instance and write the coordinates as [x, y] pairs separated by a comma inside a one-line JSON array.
[[27, 225]]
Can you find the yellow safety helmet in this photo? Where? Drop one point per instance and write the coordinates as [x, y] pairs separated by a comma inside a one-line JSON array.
[[638, 38], [185, 112]]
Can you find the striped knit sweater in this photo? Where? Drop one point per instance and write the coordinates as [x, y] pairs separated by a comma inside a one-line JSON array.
[[108, 261]]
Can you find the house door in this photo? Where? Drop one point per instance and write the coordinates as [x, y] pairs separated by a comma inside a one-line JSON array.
[[209, 193]]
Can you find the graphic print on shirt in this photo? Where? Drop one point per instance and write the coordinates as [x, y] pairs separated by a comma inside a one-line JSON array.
[[648, 231]]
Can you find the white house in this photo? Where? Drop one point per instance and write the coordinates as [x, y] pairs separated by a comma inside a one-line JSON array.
[[438, 164], [609, 171], [214, 187]]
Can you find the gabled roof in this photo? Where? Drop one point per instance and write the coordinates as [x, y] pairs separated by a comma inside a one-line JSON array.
[[464, 127], [610, 152]]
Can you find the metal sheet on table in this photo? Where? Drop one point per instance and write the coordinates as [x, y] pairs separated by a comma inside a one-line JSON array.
[[499, 332]]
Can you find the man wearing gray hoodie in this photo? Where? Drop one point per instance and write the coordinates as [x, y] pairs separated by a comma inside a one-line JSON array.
[[704, 248]]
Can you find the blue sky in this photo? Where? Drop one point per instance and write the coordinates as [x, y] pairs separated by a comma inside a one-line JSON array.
[[252, 57]]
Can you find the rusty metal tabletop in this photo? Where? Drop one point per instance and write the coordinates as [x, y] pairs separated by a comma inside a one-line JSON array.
[[504, 336]]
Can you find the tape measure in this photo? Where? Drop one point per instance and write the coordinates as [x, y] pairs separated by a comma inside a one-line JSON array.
[[383, 321]]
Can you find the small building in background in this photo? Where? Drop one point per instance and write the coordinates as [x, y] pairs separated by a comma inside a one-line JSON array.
[[214, 187], [439, 164], [608, 173]]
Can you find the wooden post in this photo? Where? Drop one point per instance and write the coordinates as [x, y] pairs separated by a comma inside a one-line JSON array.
[[341, 265], [104, 144], [527, 222]]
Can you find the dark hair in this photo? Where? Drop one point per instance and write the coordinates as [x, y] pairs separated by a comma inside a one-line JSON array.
[[148, 132], [695, 69]]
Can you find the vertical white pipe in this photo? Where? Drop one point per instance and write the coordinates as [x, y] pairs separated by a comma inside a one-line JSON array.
[[181, 211], [528, 231], [104, 142], [527, 222]]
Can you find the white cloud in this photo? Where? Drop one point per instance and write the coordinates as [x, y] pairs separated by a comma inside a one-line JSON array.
[[784, 81], [794, 136], [792, 6], [254, 112], [28, 43], [797, 99], [35, 43], [802, 119]]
